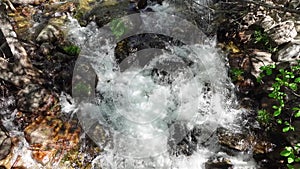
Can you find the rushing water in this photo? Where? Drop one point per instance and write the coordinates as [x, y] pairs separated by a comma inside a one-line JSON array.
[[144, 115]]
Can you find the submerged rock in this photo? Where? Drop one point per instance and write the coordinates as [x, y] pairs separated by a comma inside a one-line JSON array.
[[218, 163], [49, 137], [243, 142]]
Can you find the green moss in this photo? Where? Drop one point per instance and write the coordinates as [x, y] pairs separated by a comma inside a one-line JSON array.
[[72, 50]]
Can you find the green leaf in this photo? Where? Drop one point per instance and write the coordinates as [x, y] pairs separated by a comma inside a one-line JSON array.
[[285, 153], [295, 108], [272, 95], [281, 70], [277, 112], [297, 114], [290, 166], [269, 72], [279, 121], [293, 86], [297, 160], [292, 128], [290, 160], [286, 129], [297, 80]]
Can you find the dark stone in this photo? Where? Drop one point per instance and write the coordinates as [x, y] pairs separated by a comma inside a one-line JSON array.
[[243, 141], [218, 163], [102, 14], [31, 98], [4, 48], [142, 4], [5, 142]]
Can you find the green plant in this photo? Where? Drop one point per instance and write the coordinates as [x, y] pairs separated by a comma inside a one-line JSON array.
[[290, 152], [263, 38], [285, 79], [263, 117], [236, 74], [72, 50], [266, 71]]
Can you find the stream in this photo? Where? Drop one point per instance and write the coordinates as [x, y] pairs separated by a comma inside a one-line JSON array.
[[118, 84], [148, 103]]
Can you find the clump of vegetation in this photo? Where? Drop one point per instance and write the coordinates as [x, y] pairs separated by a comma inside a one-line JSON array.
[[260, 37], [236, 74], [285, 79], [264, 117], [72, 50]]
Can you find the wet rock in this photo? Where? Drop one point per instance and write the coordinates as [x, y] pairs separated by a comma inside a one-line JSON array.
[[31, 98], [5, 143], [294, 4], [46, 48], [53, 31], [267, 23], [181, 141], [243, 142], [103, 13], [218, 163], [21, 20], [5, 50], [290, 53], [49, 33], [283, 32], [260, 58], [49, 137], [185, 141]]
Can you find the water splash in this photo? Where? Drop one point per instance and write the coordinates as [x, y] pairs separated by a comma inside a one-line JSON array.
[[137, 110]]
